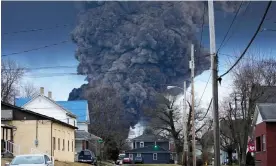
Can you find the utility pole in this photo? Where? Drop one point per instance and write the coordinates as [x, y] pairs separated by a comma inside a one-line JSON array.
[[185, 148], [214, 81], [192, 67]]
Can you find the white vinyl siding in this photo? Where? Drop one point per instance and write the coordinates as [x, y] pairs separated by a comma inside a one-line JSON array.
[[154, 156]]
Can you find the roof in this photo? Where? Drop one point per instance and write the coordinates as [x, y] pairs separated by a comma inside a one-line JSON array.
[[39, 115], [83, 135], [77, 107], [267, 94], [267, 111], [148, 149], [150, 137]]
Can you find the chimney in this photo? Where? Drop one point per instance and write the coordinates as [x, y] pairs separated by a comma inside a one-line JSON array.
[[42, 91], [50, 94]]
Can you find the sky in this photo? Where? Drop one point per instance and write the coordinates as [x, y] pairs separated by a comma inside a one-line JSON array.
[[18, 16]]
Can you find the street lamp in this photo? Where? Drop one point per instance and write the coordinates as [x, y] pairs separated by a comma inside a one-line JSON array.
[[185, 148]]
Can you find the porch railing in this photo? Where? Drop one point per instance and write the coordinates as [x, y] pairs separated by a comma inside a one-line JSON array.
[[12, 148]]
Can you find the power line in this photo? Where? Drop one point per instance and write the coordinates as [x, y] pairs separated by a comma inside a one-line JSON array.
[[35, 49], [205, 88], [45, 67], [251, 41], [235, 17], [38, 29], [237, 27]]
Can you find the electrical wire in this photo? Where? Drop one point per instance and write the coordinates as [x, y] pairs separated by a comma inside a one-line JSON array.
[[205, 88], [251, 41], [35, 49], [234, 19], [237, 27], [38, 29], [41, 68]]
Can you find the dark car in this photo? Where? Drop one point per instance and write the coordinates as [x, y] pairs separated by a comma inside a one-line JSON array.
[[87, 156], [138, 160]]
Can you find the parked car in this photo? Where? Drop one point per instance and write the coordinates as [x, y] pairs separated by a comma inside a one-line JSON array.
[[138, 160], [127, 160], [87, 156], [120, 159], [32, 159]]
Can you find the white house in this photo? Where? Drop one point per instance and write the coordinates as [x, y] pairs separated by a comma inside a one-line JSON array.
[[45, 105], [72, 112]]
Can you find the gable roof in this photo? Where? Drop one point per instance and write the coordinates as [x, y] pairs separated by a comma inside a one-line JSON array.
[[150, 137], [148, 149], [77, 107], [267, 111], [38, 115]]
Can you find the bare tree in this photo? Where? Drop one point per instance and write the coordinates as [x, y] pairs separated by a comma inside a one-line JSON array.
[[11, 74], [166, 118], [28, 90], [250, 77], [107, 118]]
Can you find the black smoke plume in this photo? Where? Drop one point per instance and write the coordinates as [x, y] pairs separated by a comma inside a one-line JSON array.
[[138, 48]]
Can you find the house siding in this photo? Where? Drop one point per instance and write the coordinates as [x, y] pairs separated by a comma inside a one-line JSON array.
[[25, 136], [68, 134], [43, 106], [261, 156], [271, 143], [162, 158], [164, 145]]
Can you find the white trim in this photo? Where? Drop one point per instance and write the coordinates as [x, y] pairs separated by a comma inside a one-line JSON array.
[[138, 154], [130, 154], [153, 158], [52, 101], [142, 143]]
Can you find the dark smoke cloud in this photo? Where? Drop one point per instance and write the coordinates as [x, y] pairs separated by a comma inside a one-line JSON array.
[[138, 47]]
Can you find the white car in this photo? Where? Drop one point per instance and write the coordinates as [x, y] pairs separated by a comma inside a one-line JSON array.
[[31, 160]]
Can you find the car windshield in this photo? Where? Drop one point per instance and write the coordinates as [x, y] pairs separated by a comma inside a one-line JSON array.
[[27, 160], [138, 158], [87, 153]]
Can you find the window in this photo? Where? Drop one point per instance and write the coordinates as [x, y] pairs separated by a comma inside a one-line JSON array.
[[154, 156], [74, 123], [258, 144], [73, 146], [131, 156], [141, 144], [63, 145], [68, 146], [263, 143], [46, 159], [138, 154], [54, 143], [68, 120], [58, 143]]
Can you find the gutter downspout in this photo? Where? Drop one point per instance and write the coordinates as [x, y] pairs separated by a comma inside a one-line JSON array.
[[52, 152], [36, 133]]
